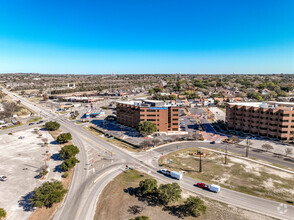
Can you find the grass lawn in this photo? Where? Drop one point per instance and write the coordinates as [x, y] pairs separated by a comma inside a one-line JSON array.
[[237, 174], [116, 203], [34, 119]]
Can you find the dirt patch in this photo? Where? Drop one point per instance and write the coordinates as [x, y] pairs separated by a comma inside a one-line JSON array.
[[115, 203], [238, 174]]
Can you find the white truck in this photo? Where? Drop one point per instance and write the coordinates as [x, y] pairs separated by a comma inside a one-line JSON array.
[[214, 188], [173, 174]]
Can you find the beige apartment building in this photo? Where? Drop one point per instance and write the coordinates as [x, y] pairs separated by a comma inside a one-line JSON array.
[[271, 119]]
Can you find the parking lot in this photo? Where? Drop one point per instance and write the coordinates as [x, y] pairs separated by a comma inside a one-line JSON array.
[[21, 160]]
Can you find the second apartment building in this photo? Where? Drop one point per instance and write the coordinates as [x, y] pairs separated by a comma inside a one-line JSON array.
[[271, 119], [165, 117]]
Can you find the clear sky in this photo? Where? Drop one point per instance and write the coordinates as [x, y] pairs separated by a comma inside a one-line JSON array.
[[147, 36]]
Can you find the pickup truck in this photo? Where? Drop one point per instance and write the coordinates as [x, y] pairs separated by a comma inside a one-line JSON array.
[[212, 187], [173, 174]]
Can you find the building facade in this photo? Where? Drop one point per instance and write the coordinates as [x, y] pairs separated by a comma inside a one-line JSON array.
[[271, 119], [165, 117]]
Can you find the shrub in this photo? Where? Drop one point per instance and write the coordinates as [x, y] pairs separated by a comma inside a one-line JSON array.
[[43, 173], [65, 175], [2, 213], [69, 163], [194, 206], [64, 138], [68, 151], [52, 125], [48, 194]]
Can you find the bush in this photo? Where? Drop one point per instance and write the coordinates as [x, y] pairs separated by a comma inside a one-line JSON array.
[[43, 173], [2, 213], [267, 147], [64, 138], [48, 194], [140, 218], [68, 151], [194, 206], [52, 125], [69, 163], [65, 175]]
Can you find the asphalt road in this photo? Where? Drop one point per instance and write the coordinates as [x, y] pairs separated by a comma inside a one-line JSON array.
[[80, 202]]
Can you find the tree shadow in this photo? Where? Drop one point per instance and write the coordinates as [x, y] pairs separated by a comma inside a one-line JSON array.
[[258, 150], [150, 200], [175, 210], [58, 169], [25, 202], [56, 157], [54, 142], [135, 209]]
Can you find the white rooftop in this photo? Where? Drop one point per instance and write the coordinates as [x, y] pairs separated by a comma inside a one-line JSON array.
[[267, 104]]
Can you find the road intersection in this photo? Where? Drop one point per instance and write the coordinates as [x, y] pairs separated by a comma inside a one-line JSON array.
[[81, 199]]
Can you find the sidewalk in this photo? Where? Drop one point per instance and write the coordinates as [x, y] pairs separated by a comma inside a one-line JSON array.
[[278, 148]]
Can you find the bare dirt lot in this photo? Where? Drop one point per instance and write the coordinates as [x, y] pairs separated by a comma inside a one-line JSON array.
[[238, 174], [115, 203], [21, 160]]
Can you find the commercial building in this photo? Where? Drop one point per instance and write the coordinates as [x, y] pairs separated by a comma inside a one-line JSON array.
[[271, 119], [165, 117]]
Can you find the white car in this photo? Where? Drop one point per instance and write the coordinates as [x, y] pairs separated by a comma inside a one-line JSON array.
[[3, 178]]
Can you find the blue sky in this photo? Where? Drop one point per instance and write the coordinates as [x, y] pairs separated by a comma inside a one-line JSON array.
[[147, 36]]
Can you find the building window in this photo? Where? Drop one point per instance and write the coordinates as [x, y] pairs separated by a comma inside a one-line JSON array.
[[151, 115], [175, 110], [151, 110], [175, 114], [151, 119]]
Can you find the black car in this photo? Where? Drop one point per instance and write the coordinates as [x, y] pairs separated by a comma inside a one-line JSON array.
[[39, 122], [31, 123]]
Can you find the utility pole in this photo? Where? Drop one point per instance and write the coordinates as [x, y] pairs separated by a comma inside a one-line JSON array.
[[226, 154], [200, 162], [247, 147]]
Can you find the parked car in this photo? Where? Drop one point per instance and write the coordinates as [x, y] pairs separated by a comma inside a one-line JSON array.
[[31, 123], [39, 122], [212, 142], [3, 178]]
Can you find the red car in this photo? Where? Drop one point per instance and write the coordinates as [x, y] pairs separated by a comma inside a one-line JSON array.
[[202, 185]]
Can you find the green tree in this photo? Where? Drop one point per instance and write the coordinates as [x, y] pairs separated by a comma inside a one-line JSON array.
[[169, 193], [158, 89], [2, 213], [147, 127], [140, 218], [48, 194], [148, 186], [52, 125], [194, 206], [68, 151], [69, 163], [64, 138], [151, 91]]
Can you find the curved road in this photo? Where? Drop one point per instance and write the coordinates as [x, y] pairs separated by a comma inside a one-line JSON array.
[[81, 198]]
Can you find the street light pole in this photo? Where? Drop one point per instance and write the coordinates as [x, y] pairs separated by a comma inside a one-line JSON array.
[[247, 147], [226, 153]]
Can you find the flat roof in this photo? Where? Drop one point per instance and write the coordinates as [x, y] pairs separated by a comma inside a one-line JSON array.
[[266, 104]]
